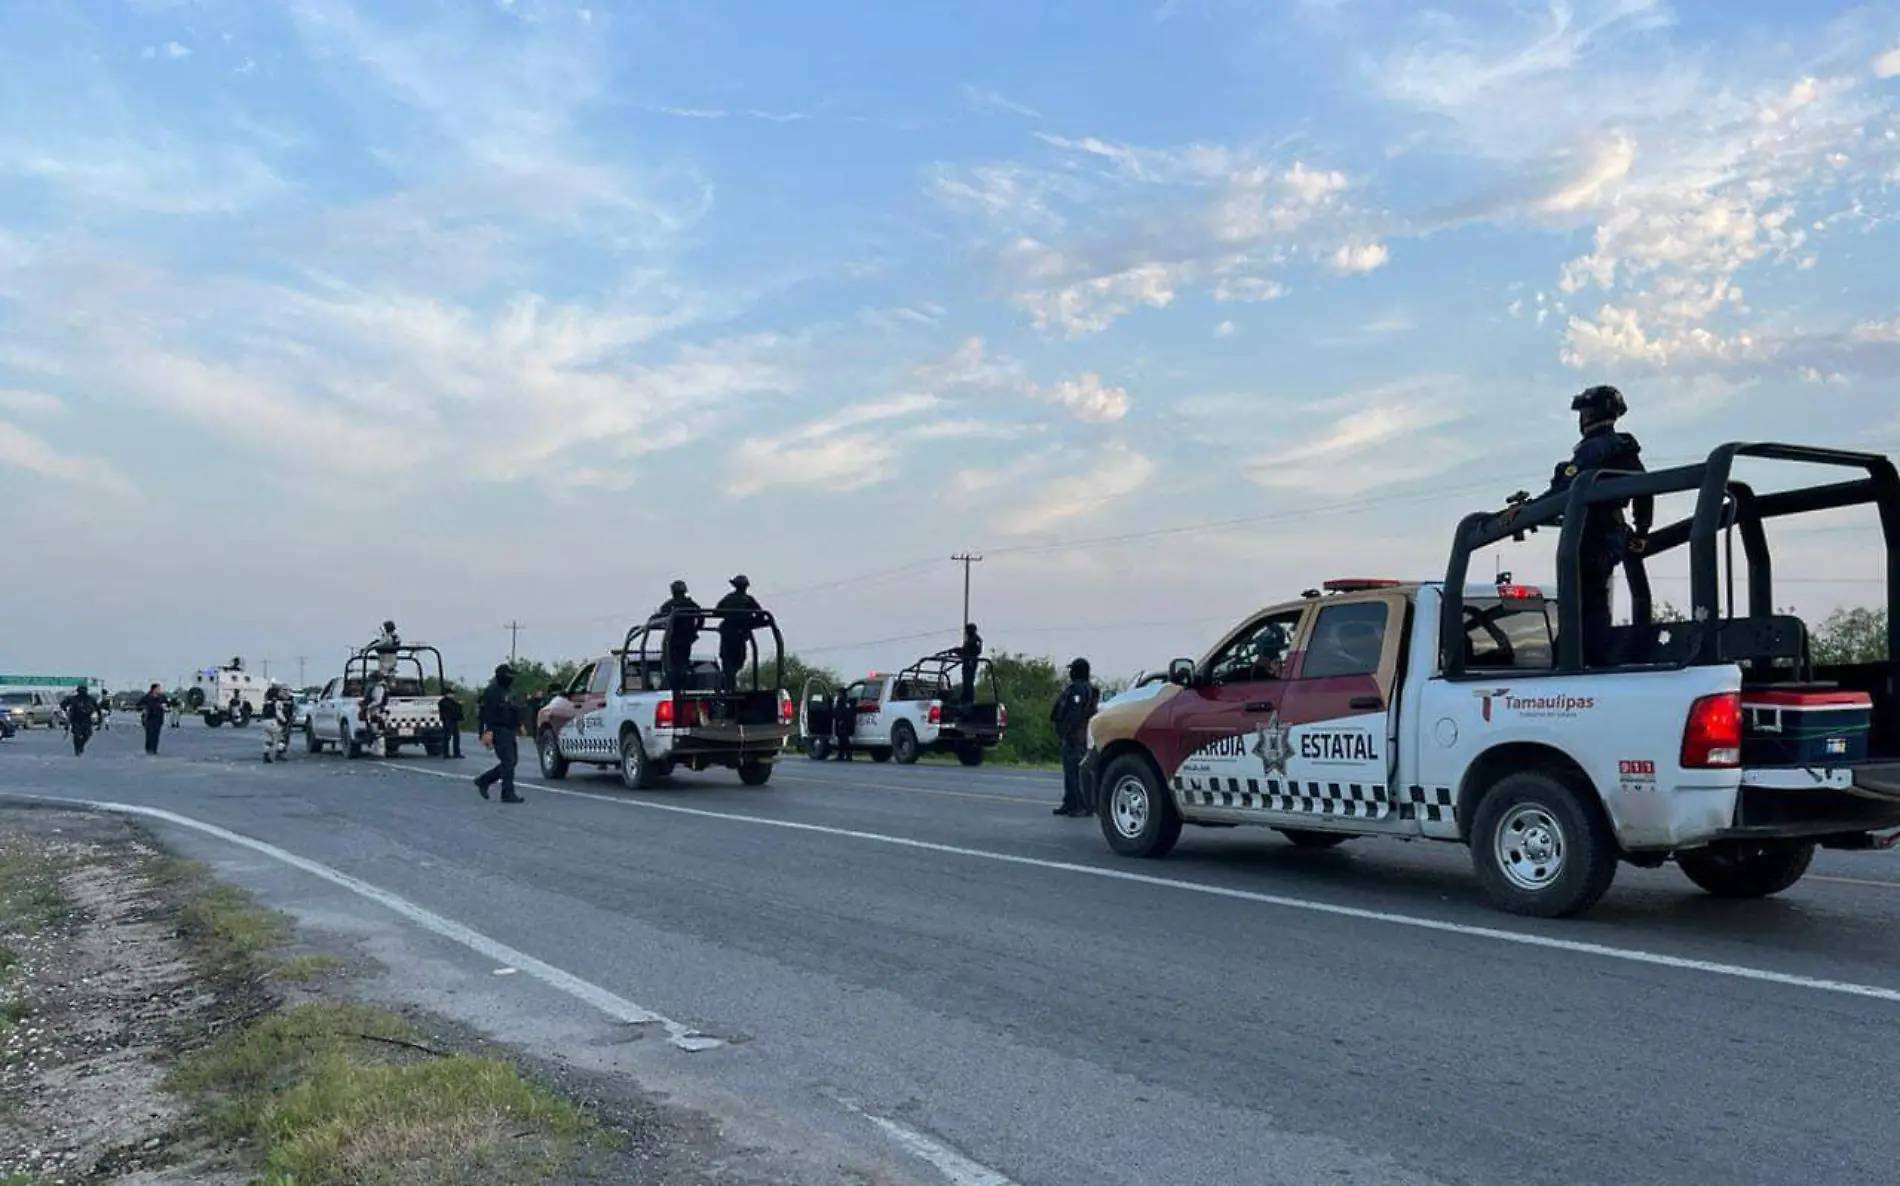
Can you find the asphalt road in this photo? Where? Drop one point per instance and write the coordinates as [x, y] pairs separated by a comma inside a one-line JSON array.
[[902, 966]]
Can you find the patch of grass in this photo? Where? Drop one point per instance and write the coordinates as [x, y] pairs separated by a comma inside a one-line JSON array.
[[329, 1093], [25, 1180], [232, 928], [30, 894], [303, 969]]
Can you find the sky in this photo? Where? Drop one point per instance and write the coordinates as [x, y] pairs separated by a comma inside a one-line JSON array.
[[315, 313]]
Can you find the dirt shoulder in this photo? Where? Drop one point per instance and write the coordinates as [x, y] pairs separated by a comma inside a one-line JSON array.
[[157, 1027]]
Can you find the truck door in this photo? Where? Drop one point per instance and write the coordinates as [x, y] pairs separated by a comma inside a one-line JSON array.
[[565, 710], [1337, 710], [1222, 726]]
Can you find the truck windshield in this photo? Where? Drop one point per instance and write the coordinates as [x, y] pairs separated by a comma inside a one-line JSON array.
[[1513, 636]]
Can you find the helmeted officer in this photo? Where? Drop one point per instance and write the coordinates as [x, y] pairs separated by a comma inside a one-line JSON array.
[[1070, 715], [735, 630], [500, 721], [679, 649], [969, 652], [1607, 535]]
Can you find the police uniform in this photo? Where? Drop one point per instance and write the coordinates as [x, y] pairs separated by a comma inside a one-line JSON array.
[[1070, 716], [500, 718], [1607, 535], [679, 651], [970, 652], [80, 710], [735, 630], [279, 711], [375, 709]]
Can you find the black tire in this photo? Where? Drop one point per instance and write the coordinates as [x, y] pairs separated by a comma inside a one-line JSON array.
[[214, 720], [346, 741], [970, 754], [636, 772], [553, 765], [879, 754], [1137, 809], [755, 774], [1746, 870], [311, 744], [1307, 838], [818, 748], [904, 743], [390, 749], [1540, 847]]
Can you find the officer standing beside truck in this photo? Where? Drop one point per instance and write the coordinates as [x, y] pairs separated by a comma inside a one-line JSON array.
[[450, 709], [1070, 716]]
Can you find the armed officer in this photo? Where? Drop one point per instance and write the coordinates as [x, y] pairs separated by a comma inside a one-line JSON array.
[[81, 708], [735, 630], [679, 647], [1607, 536], [500, 720], [969, 652]]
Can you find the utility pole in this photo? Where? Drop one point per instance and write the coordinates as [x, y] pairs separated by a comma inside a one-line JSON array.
[[514, 634], [267, 671], [300, 663], [966, 560]]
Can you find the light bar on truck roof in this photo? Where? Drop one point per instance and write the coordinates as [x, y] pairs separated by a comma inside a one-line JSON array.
[[1358, 584]]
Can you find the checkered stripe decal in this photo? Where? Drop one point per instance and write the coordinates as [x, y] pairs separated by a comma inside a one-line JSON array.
[[1432, 804], [588, 745], [1347, 800]]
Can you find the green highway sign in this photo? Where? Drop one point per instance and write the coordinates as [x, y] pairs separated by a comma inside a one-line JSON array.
[[45, 681]]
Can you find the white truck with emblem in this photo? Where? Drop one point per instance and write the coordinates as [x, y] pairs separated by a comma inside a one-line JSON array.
[[919, 710], [1465, 713], [655, 705], [410, 712]]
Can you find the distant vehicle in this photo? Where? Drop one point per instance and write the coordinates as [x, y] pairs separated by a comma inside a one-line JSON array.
[[411, 715], [29, 710], [213, 692], [1449, 711], [916, 711], [618, 711]]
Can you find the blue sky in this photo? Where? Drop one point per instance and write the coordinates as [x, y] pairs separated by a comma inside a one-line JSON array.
[[313, 312]]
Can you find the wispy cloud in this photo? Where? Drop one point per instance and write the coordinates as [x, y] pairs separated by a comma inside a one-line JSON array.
[[988, 100]]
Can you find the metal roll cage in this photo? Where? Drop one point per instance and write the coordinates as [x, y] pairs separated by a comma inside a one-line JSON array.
[[408, 652], [1721, 504], [762, 619]]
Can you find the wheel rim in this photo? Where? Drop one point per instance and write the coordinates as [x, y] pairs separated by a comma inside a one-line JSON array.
[[631, 760], [1129, 807], [1529, 847], [547, 754]]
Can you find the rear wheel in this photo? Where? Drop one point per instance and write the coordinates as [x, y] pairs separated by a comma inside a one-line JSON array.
[[970, 754], [346, 741], [1138, 815], [903, 743], [818, 748], [755, 774], [1540, 848], [1746, 870], [636, 772], [311, 743], [553, 765], [1307, 838]]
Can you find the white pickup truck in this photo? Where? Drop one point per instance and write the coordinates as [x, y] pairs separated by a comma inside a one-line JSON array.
[[1465, 713], [919, 710], [655, 705], [411, 715]]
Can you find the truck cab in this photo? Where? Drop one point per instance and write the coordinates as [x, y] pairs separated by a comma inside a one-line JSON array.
[[1461, 712], [907, 714], [656, 704]]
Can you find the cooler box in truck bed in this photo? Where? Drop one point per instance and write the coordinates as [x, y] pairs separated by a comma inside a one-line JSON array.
[[1805, 726]]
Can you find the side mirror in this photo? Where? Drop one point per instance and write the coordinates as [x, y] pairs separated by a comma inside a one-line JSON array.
[[1181, 672]]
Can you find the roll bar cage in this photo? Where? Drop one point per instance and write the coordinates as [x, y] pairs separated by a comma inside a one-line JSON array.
[[406, 654], [939, 667], [1722, 504], [665, 626]]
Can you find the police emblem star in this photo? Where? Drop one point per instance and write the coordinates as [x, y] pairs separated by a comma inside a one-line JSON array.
[[1271, 745]]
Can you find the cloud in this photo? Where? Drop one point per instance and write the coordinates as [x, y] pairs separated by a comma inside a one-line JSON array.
[[30, 403], [835, 452], [1224, 330], [1023, 499], [1359, 258], [971, 366], [988, 100], [1087, 399], [20, 449], [1369, 438], [1887, 65]]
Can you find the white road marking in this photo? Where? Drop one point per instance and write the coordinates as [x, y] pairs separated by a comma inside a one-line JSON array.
[[957, 1169], [1868, 881], [1520, 938], [616, 1007], [857, 783]]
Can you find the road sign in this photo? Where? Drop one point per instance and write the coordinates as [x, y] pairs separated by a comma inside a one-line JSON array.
[[46, 681]]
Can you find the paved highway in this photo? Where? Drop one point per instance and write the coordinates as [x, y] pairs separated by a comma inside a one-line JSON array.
[[879, 973]]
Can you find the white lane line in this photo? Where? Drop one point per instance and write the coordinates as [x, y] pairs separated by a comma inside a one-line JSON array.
[[616, 1007], [1869, 881], [1520, 938], [956, 1169]]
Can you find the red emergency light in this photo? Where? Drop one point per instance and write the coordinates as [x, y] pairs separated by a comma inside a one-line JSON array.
[[1358, 584], [1520, 593]]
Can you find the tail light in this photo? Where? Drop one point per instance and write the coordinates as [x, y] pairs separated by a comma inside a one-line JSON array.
[[935, 715], [1712, 738], [663, 714], [1002, 716], [784, 708]]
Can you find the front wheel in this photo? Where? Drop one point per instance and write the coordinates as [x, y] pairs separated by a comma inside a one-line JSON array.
[[1746, 870], [636, 772], [553, 765], [1138, 814], [755, 774], [904, 743], [311, 744], [1539, 848]]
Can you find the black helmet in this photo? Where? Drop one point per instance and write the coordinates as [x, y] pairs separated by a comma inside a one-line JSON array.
[[679, 588], [504, 673], [1078, 668], [740, 581], [1599, 405]]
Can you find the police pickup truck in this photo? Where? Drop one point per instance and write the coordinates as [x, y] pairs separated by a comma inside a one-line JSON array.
[[917, 711], [410, 712], [655, 705], [1450, 711]]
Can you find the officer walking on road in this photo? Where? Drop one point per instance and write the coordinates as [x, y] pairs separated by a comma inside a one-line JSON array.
[[679, 647], [152, 709], [81, 709], [1607, 535], [500, 718], [450, 709], [735, 630], [280, 709], [1070, 715]]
